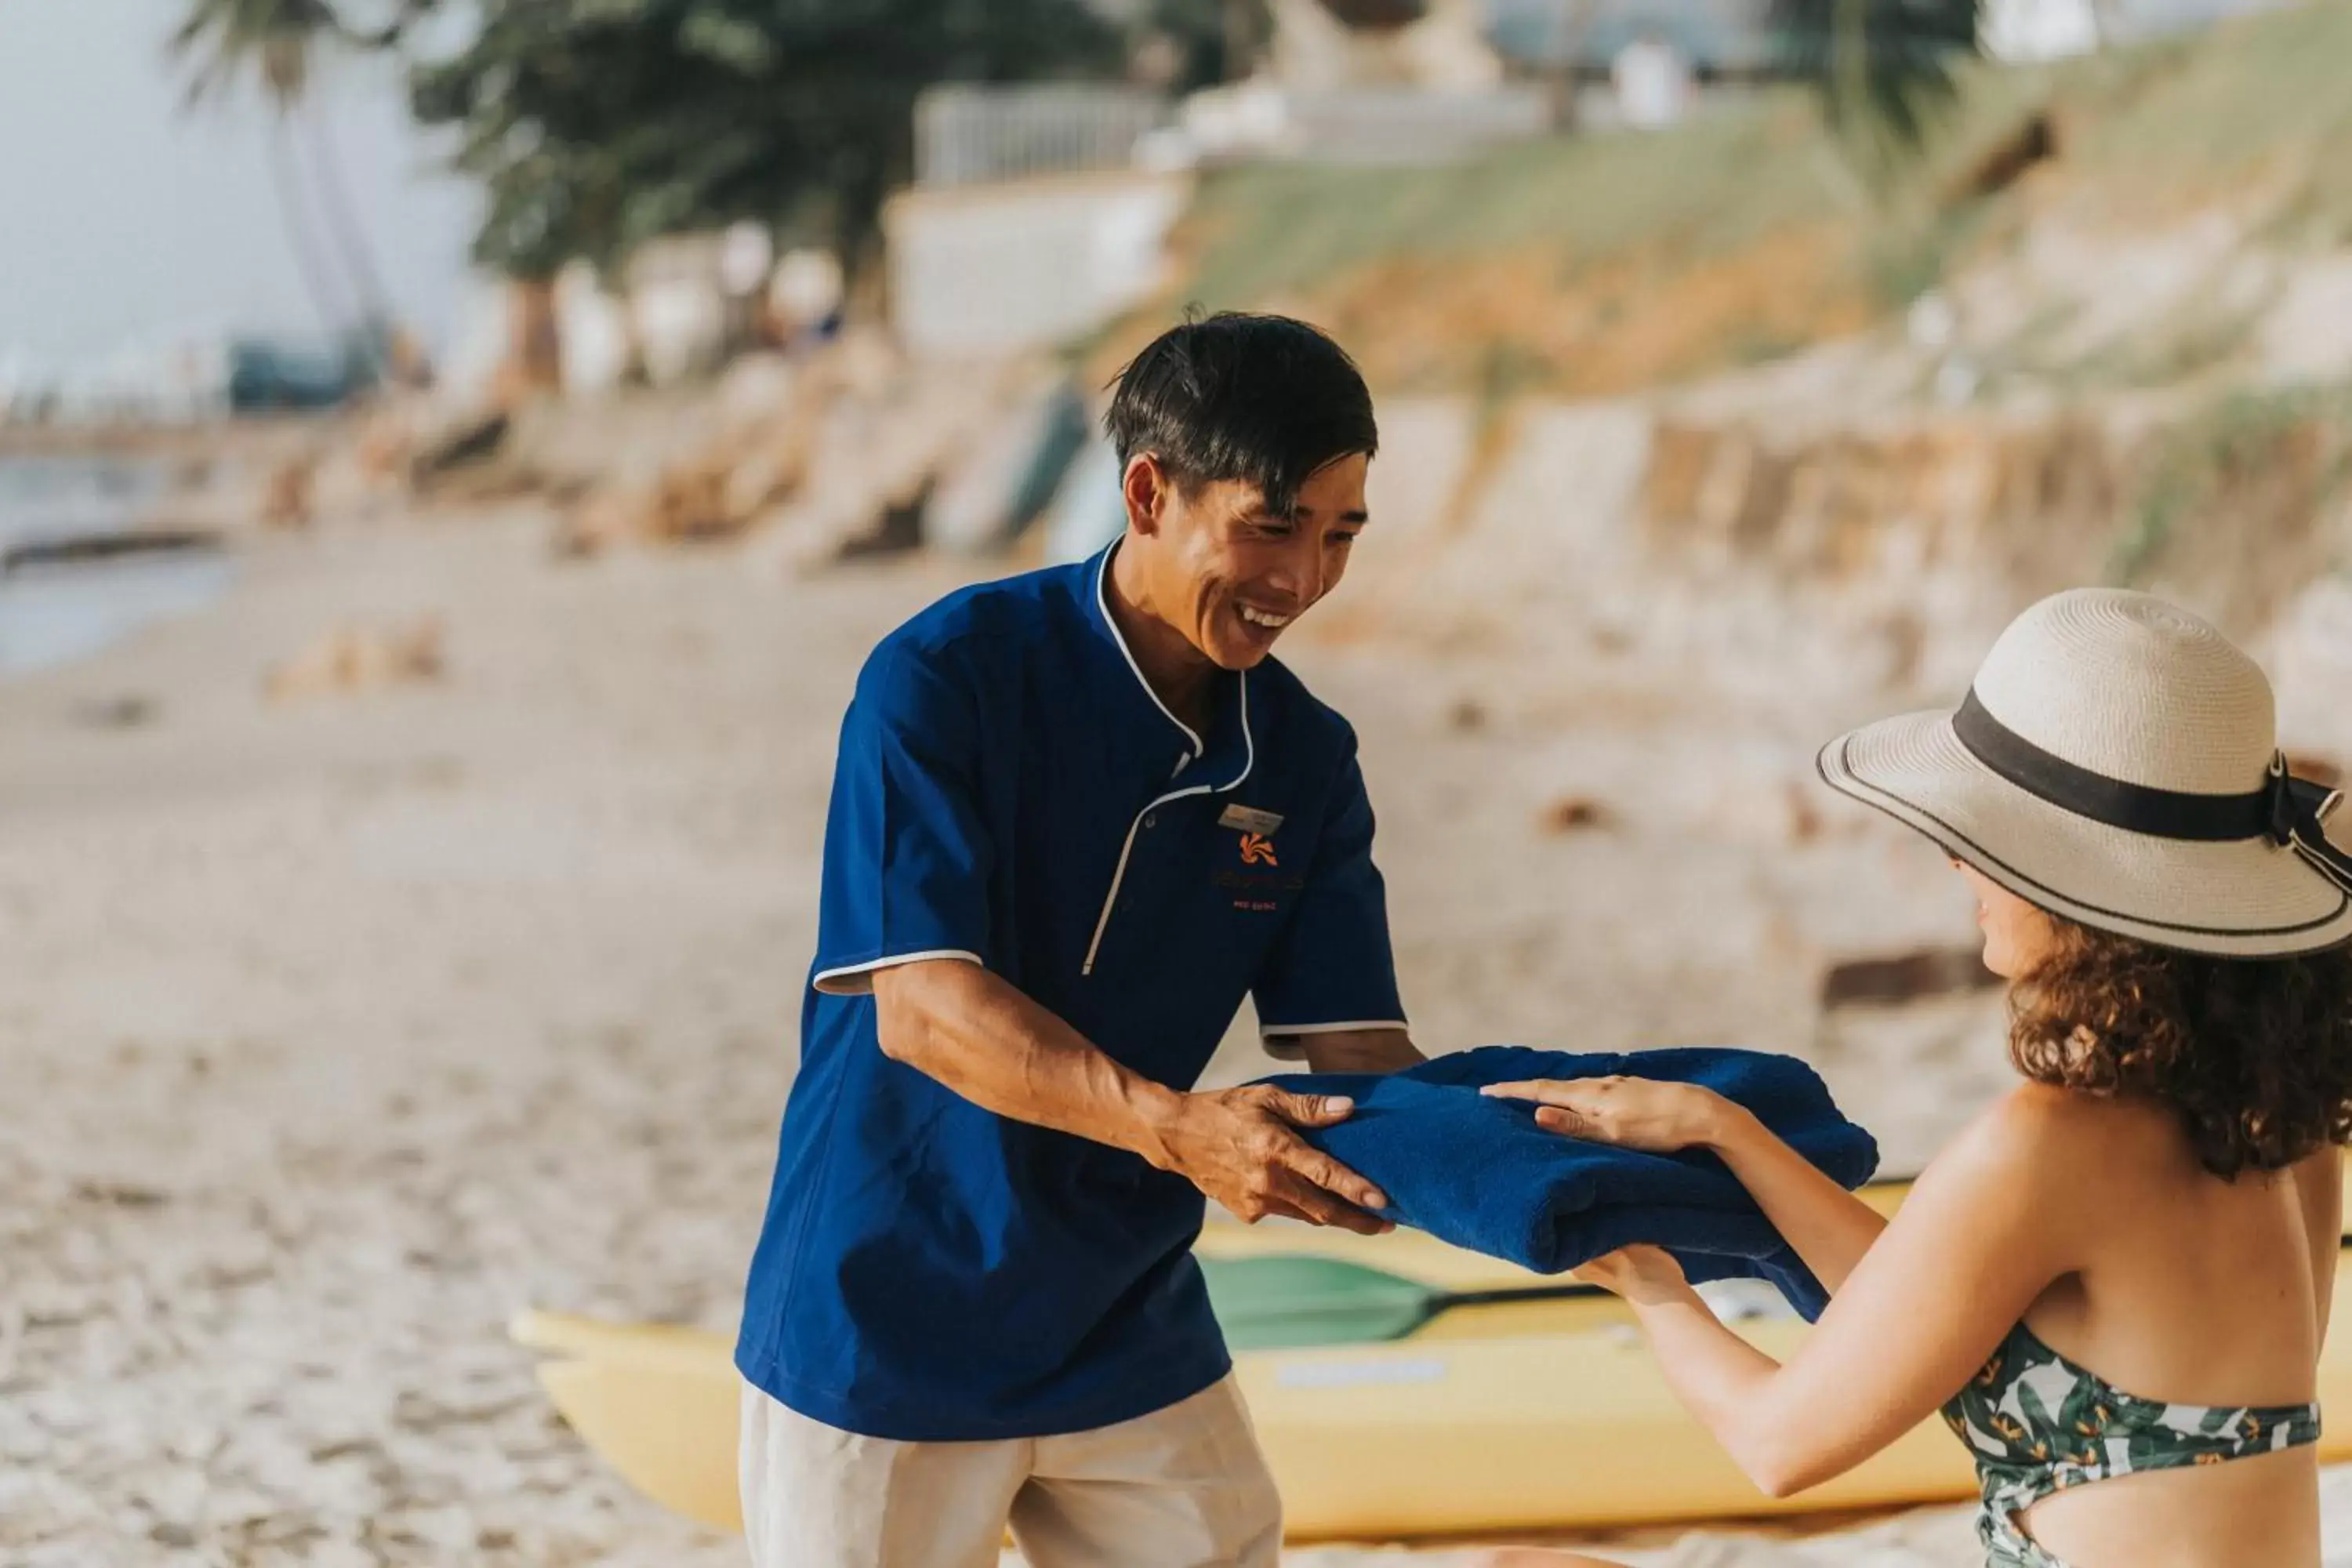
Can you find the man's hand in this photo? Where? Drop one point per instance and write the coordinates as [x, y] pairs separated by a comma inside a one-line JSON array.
[[1240, 1146], [973, 1032]]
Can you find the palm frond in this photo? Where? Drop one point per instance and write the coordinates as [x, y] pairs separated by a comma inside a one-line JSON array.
[[274, 42], [1885, 70]]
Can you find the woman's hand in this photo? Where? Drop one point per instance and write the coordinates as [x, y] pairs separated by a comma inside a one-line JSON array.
[[1630, 1112], [1643, 1275]]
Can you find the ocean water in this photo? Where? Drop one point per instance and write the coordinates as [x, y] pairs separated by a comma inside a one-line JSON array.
[[54, 615]]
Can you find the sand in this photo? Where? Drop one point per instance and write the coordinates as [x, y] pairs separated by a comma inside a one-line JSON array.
[[338, 1027]]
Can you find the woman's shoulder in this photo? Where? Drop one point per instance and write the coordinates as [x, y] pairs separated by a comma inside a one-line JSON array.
[[2044, 1133]]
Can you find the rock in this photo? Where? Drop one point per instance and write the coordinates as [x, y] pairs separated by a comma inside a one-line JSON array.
[[128, 712], [470, 440], [286, 502], [129, 543], [354, 658], [758, 386], [1002, 481], [691, 503], [898, 526], [1906, 977], [1574, 814], [122, 1194]]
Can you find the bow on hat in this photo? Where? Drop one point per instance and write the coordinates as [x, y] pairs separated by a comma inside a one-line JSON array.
[[2299, 809]]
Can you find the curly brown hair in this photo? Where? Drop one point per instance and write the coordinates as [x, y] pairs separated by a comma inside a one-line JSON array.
[[2253, 1055]]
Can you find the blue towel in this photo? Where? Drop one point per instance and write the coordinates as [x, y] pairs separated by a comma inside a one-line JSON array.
[[1480, 1174]]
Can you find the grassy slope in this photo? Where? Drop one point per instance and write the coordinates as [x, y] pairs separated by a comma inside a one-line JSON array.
[[1597, 265]]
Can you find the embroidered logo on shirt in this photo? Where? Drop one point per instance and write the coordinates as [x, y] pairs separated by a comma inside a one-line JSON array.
[[1257, 851]]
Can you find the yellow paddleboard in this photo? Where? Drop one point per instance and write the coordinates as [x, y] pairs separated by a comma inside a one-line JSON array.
[[1527, 1417]]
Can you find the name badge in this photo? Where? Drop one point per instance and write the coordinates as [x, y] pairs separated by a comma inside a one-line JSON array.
[[1250, 819]]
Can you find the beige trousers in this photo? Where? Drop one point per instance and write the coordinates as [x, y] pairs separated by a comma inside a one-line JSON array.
[[1180, 1488]]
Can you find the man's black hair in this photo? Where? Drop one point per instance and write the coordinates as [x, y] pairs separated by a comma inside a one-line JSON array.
[[1265, 399]]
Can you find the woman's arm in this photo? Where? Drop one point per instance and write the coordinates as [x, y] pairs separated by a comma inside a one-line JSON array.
[[2319, 1184], [1828, 1227], [1984, 1232]]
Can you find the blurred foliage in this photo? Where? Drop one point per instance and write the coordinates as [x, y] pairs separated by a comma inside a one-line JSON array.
[[1884, 70], [596, 125], [276, 41], [2244, 454], [2250, 113], [1709, 187], [1213, 40]]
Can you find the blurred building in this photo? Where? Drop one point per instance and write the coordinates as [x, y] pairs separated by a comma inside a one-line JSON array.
[[1716, 39], [1736, 39], [2023, 30], [985, 269]]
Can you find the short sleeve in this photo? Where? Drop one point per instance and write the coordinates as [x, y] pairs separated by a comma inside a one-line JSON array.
[[907, 850], [1331, 969]]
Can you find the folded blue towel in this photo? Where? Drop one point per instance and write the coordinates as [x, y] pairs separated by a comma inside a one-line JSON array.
[[1480, 1174]]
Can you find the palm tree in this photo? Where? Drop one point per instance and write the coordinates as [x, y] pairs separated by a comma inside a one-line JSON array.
[[1884, 68], [278, 43]]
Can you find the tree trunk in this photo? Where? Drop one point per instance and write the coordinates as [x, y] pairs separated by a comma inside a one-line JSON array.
[[1241, 39], [534, 345], [307, 260], [1572, 21], [359, 263]]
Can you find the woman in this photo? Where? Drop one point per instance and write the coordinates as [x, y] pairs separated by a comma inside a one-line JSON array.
[[2120, 1273]]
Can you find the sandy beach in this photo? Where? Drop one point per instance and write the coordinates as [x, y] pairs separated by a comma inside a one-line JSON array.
[[342, 1024]]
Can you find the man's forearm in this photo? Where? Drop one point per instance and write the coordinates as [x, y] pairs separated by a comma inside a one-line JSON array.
[[977, 1035], [980, 1036]]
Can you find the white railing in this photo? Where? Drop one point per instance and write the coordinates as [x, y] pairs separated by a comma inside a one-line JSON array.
[[966, 135]]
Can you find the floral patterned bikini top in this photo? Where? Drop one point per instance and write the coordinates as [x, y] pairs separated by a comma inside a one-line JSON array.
[[2037, 1423]]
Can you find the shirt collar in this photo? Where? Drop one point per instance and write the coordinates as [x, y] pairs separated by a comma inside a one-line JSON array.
[[1227, 753]]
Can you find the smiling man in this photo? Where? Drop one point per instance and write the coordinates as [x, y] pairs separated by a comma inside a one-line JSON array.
[[1077, 817]]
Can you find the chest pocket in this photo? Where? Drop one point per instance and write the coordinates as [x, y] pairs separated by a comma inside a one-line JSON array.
[[1196, 882], [1255, 863]]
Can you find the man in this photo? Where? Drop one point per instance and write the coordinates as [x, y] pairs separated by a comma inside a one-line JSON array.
[[1077, 816]]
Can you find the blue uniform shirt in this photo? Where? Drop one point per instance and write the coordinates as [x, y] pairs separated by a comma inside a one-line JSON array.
[[1010, 793]]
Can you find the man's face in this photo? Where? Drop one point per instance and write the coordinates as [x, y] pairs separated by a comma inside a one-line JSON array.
[[1229, 575]]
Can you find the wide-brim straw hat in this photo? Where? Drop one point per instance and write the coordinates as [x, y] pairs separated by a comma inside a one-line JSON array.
[[2116, 763]]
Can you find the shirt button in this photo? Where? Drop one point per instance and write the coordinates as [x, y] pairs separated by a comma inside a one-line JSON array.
[[1152, 820]]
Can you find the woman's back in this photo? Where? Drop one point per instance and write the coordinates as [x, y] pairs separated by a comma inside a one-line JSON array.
[[2191, 1291]]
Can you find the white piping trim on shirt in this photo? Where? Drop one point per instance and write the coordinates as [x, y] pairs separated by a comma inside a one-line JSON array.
[[1102, 602], [823, 982], [1249, 761], [1271, 1029]]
